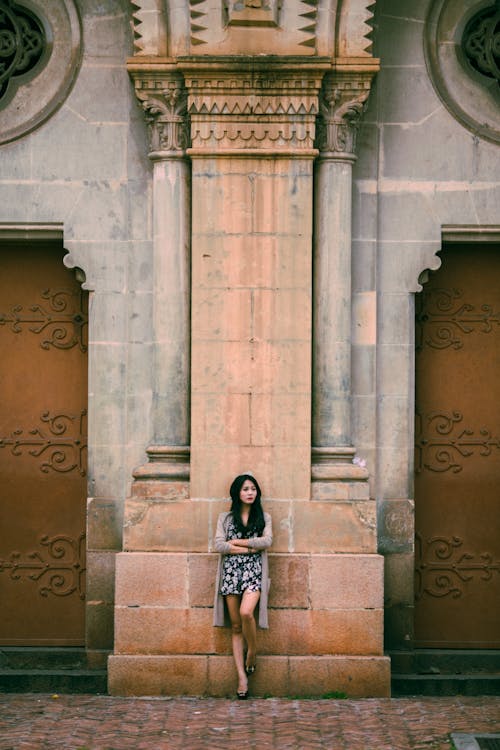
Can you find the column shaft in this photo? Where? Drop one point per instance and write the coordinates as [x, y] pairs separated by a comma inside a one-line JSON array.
[[171, 199], [332, 304]]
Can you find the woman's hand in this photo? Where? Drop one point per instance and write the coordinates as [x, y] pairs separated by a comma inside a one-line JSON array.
[[239, 549]]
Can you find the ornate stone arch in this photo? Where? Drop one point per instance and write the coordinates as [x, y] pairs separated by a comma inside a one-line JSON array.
[[332, 28]]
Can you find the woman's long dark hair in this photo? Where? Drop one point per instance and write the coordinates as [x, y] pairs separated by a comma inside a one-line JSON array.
[[256, 521]]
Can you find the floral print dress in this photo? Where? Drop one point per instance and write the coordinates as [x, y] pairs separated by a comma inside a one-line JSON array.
[[240, 572]]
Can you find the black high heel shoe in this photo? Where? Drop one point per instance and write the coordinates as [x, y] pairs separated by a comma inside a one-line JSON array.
[[242, 695], [250, 670]]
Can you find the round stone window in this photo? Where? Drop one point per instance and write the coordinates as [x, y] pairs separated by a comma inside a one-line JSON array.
[[462, 47], [40, 48]]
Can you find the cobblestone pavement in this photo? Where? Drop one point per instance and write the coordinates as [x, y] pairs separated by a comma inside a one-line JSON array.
[[93, 722]]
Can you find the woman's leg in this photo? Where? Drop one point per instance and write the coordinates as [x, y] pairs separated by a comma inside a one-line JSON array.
[[247, 608], [233, 606]]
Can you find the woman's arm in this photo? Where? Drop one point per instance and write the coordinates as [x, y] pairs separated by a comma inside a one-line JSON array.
[[231, 547], [220, 543], [264, 541]]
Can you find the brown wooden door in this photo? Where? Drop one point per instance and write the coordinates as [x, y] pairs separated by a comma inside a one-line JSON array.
[[457, 454], [43, 393]]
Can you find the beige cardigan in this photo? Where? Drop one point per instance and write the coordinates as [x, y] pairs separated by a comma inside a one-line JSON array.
[[257, 542]]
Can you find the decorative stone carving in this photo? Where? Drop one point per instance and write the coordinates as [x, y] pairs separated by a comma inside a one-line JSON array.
[[164, 100], [22, 41], [33, 94], [463, 63], [253, 12], [266, 107], [481, 42], [341, 104], [220, 28]]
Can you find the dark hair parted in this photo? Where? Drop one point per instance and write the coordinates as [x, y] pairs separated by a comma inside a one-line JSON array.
[[256, 521]]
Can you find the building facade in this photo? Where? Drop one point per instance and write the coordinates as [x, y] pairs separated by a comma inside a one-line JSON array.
[[250, 236]]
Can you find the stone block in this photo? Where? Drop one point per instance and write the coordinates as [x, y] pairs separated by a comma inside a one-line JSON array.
[[157, 675], [282, 314], [249, 261], [216, 191], [354, 676], [99, 625], [282, 204], [276, 676], [202, 571], [396, 525], [100, 576], [399, 626], [271, 677], [364, 319], [222, 314], [221, 418], [280, 511], [364, 253], [163, 630], [159, 525], [279, 419], [363, 370], [399, 579], [289, 581], [222, 678], [328, 491], [214, 467], [347, 581], [396, 369], [318, 632], [321, 527], [151, 578], [393, 467], [104, 524]]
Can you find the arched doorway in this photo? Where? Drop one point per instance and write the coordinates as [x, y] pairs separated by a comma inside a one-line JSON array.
[[43, 409], [457, 451]]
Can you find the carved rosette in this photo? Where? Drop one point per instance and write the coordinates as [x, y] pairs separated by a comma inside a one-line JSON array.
[[164, 100], [343, 98], [253, 109]]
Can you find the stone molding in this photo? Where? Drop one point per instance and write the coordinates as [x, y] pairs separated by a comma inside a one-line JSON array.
[[165, 463], [342, 101], [163, 97], [251, 106], [243, 107]]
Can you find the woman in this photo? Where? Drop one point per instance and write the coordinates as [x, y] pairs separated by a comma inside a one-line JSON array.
[[242, 537]]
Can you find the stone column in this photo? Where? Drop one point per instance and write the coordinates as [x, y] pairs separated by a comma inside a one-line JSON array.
[[163, 97], [343, 96]]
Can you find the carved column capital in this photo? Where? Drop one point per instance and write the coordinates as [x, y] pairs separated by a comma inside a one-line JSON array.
[[342, 101], [253, 106], [163, 97]]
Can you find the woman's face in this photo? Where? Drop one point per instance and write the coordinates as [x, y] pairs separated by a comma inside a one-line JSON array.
[[248, 492]]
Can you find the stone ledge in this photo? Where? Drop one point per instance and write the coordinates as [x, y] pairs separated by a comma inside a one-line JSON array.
[[276, 676]]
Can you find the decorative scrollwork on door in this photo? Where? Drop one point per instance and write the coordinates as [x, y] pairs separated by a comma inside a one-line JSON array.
[[61, 451], [443, 569], [442, 319], [441, 442], [62, 319], [58, 569]]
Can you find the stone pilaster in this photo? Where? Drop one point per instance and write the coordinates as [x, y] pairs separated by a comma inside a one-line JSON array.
[[252, 151], [343, 96], [161, 92]]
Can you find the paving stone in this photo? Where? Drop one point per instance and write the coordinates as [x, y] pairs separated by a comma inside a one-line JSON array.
[[101, 722]]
